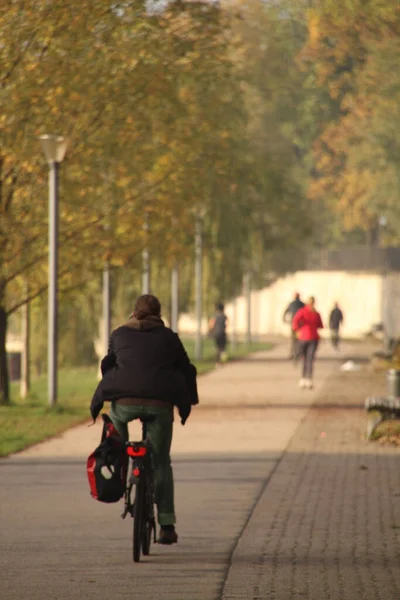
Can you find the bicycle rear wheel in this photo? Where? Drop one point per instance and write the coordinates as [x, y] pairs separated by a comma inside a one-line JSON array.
[[138, 518], [146, 540], [148, 517]]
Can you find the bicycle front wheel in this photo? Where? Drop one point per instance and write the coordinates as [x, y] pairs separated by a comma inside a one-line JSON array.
[[138, 518]]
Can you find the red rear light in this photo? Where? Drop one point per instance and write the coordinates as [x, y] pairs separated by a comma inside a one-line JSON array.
[[135, 452], [136, 472]]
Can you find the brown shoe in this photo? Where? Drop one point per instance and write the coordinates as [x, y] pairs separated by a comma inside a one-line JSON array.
[[168, 535]]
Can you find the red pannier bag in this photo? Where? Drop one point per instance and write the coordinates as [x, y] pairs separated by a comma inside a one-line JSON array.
[[106, 467]]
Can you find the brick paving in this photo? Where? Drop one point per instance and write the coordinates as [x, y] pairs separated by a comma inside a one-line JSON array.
[[327, 525]]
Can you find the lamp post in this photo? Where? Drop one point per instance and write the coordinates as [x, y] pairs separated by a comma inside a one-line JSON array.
[[106, 307], [146, 257], [175, 297], [54, 147], [234, 319], [382, 223], [108, 228], [386, 300], [247, 294], [198, 243]]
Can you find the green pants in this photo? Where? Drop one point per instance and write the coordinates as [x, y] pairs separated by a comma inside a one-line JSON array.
[[160, 435]]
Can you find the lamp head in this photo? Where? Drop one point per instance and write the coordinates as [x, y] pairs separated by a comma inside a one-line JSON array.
[[54, 147]]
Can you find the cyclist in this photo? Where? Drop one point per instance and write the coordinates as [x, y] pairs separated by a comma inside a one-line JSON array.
[[145, 373]]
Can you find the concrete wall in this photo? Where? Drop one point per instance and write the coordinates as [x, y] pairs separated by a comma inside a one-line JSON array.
[[391, 303], [365, 298], [14, 343], [362, 296]]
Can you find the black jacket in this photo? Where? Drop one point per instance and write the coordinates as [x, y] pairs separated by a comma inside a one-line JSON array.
[[146, 360], [335, 318], [292, 309]]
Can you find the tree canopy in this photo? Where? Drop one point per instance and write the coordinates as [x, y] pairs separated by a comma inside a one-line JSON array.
[[275, 121]]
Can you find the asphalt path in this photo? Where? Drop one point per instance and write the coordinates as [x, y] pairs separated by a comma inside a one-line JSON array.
[[58, 543]]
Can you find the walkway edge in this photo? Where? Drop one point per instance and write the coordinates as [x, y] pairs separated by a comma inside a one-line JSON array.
[[255, 504]]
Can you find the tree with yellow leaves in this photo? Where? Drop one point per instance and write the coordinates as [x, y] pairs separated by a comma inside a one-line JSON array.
[[352, 50]]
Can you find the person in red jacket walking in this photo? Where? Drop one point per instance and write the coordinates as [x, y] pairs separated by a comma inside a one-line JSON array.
[[306, 323]]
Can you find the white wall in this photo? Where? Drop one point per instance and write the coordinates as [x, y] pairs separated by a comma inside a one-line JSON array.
[[14, 343], [391, 303], [360, 295]]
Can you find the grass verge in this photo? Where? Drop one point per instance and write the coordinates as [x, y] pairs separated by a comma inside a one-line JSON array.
[[29, 421]]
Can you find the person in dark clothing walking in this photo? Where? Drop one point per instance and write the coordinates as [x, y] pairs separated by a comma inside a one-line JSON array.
[[306, 322], [217, 330], [145, 373], [288, 316], [335, 322]]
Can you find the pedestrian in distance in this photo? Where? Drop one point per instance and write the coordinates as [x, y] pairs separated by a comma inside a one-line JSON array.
[[307, 321], [335, 322], [145, 373], [292, 309], [217, 330]]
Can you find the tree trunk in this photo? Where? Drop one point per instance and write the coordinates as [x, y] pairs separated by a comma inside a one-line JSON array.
[[4, 379], [25, 371]]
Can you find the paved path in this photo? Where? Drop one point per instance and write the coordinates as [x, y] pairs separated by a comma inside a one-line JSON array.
[[267, 507], [327, 524]]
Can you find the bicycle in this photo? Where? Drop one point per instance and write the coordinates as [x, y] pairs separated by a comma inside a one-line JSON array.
[[142, 509]]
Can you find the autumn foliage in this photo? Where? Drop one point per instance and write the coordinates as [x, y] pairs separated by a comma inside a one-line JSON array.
[[277, 121]]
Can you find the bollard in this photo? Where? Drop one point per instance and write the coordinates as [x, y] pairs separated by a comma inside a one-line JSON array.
[[393, 383]]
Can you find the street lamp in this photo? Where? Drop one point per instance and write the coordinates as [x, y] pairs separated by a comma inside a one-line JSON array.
[[54, 147], [198, 246], [382, 223], [106, 307], [386, 300], [234, 320], [175, 297], [247, 294], [146, 256]]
